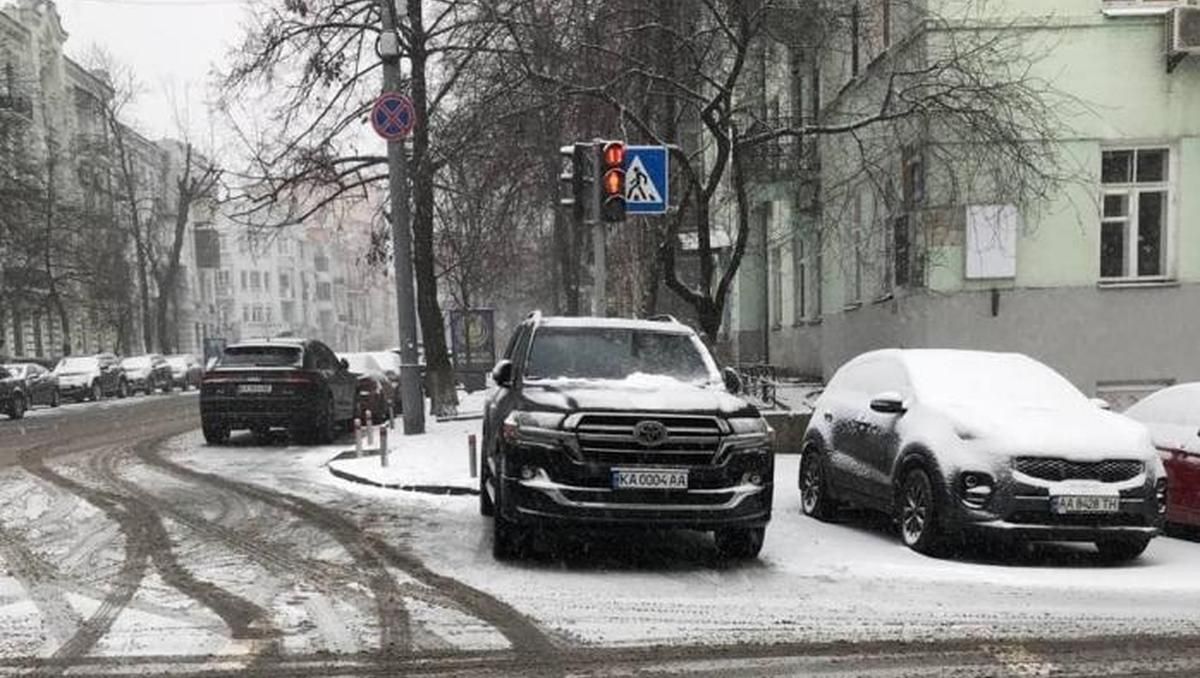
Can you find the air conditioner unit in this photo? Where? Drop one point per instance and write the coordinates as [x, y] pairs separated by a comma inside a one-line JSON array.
[[1183, 30]]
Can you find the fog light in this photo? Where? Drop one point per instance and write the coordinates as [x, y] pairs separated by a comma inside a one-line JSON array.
[[752, 478], [528, 472], [1160, 492], [976, 489]]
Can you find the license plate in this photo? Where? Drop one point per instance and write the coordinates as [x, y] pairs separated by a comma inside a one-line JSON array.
[[1086, 504], [254, 388], [649, 479]]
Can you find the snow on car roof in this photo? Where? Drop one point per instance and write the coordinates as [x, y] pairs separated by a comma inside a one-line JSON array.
[[616, 323], [1179, 404], [960, 375]]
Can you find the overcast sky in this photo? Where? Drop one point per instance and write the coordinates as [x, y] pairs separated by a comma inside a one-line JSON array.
[[171, 44]]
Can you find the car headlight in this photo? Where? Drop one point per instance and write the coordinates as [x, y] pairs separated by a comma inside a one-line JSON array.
[[519, 424], [749, 425]]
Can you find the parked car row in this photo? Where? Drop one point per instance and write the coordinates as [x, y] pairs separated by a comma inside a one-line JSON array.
[[604, 422], [92, 377]]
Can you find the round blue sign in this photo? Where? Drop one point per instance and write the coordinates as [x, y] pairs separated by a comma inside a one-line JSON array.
[[393, 116]]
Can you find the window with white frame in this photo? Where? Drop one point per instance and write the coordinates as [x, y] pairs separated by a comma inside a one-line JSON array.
[[1135, 203]]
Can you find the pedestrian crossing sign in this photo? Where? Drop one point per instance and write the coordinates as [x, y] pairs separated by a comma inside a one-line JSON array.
[[646, 180]]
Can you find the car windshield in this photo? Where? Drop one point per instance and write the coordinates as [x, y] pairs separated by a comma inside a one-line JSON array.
[[988, 379], [138, 362], [362, 363], [261, 356], [613, 353], [77, 365], [177, 361]]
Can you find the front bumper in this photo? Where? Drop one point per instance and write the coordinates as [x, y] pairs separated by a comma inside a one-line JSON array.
[[566, 492], [75, 389], [1022, 506]]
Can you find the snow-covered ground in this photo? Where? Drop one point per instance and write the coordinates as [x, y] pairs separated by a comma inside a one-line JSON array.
[[814, 581]]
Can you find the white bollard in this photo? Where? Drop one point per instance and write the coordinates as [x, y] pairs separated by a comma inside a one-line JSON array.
[[357, 438], [471, 454], [383, 447]]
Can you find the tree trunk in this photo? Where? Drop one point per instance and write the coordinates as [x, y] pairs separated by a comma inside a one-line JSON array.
[[439, 375]]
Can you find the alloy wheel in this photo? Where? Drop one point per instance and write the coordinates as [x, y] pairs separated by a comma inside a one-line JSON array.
[[811, 483], [915, 511]]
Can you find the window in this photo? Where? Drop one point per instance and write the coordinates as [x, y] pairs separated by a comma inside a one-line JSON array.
[[901, 251], [223, 278], [255, 281], [246, 314], [800, 279], [324, 291], [266, 277], [321, 263], [287, 311], [285, 284], [1135, 198], [256, 314], [243, 280]]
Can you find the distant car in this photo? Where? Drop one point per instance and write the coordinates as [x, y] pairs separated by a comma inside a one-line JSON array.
[[91, 377], [41, 385], [186, 371], [148, 373], [1173, 417], [950, 442], [375, 391], [297, 384], [390, 362], [13, 400]]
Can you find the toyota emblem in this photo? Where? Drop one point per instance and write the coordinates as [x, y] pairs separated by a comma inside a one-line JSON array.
[[650, 433]]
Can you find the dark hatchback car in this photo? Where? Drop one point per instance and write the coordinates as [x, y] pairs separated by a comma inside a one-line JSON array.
[[13, 400], [40, 384], [621, 423], [296, 384]]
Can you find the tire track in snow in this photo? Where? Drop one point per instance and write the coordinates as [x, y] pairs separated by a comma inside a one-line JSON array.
[[36, 577], [524, 635]]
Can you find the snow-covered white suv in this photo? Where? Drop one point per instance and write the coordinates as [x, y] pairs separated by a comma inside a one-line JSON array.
[[952, 441]]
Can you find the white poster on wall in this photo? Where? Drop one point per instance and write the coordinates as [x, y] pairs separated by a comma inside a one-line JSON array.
[[991, 243]]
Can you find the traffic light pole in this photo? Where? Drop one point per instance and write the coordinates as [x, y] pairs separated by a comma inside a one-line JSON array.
[[411, 400], [599, 269]]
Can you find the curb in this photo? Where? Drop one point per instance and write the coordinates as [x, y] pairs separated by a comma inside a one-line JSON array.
[[443, 490]]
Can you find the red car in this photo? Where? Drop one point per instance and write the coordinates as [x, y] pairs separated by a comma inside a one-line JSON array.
[[1173, 417]]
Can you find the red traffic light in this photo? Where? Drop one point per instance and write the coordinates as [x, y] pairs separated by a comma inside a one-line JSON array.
[[614, 155], [614, 182]]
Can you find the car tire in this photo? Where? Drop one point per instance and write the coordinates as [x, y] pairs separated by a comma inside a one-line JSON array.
[[55, 398], [16, 408], [919, 513], [215, 434], [740, 543], [168, 387], [97, 392], [123, 389], [322, 432], [815, 500], [486, 508], [509, 540], [1122, 550]]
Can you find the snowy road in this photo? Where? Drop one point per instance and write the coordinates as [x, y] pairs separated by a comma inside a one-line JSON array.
[[130, 548]]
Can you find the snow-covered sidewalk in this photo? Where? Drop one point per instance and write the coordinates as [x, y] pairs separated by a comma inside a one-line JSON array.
[[437, 461]]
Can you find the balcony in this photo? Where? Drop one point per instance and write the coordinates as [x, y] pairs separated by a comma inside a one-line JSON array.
[[782, 158], [21, 105]]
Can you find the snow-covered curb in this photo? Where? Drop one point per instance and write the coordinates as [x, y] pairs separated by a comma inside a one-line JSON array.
[[346, 465]]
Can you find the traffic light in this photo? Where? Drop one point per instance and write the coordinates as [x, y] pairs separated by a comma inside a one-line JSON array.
[[612, 181], [578, 177]]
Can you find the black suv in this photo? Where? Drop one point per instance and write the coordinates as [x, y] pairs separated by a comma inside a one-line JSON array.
[[296, 384], [611, 422]]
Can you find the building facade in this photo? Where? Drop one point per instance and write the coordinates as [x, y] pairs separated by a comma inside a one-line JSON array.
[[1095, 279]]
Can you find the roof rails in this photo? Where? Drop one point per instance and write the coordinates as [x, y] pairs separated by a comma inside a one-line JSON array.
[[664, 318]]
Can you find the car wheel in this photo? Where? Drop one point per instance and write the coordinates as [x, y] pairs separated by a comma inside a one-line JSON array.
[[215, 434], [814, 486], [123, 389], [509, 540], [322, 433], [16, 409], [97, 392], [740, 544], [918, 514], [167, 387], [55, 398], [486, 507], [1121, 550]]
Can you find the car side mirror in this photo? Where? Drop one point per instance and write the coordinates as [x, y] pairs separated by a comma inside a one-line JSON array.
[[888, 402], [344, 364], [733, 381], [502, 373], [1101, 403]]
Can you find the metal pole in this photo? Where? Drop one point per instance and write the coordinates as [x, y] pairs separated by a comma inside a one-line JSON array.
[[599, 270], [411, 399]]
